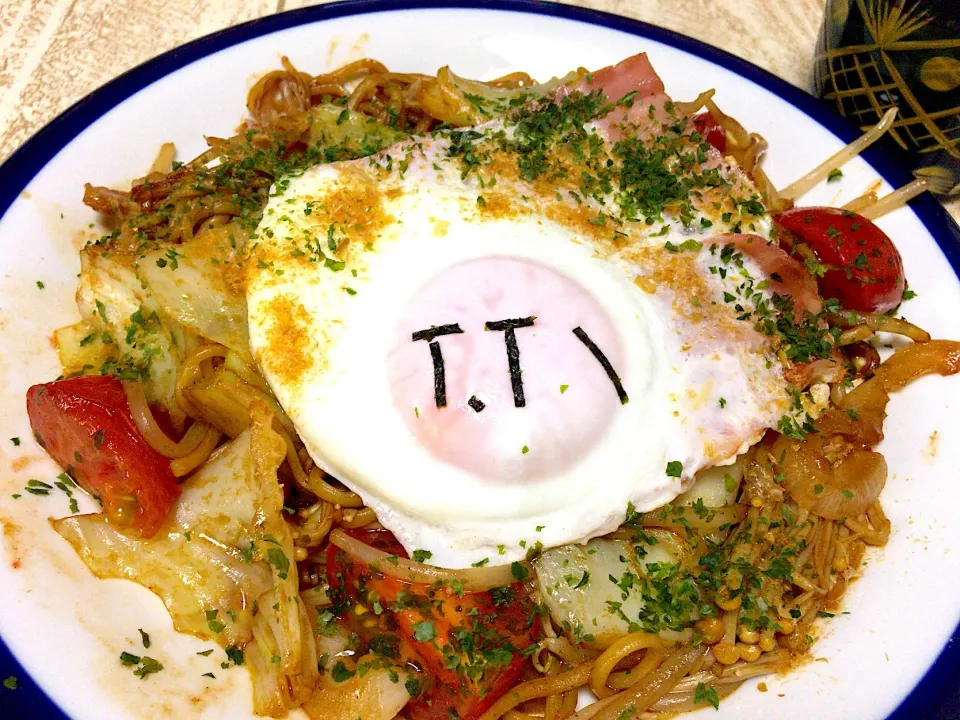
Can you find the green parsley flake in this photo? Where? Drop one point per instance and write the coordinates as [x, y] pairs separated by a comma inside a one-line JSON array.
[[534, 550], [690, 245], [706, 694], [235, 655], [519, 571], [340, 672], [424, 631], [145, 665], [215, 625], [277, 558], [730, 483], [11, 683], [129, 658], [148, 666], [674, 468], [834, 175]]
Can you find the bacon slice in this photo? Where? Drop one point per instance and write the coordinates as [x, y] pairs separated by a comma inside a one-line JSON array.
[[787, 276], [633, 74], [633, 77]]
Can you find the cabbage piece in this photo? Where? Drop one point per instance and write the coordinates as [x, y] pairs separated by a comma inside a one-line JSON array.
[[605, 589], [82, 349], [223, 564], [714, 487], [348, 134], [200, 285], [149, 346], [333, 641], [376, 694], [461, 102], [223, 399]]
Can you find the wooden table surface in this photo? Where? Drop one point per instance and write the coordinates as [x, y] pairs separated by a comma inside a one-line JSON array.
[[53, 52]]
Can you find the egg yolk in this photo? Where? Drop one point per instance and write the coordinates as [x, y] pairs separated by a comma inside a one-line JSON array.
[[507, 368]]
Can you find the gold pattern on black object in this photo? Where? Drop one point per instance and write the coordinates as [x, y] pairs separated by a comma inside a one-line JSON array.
[[874, 54]]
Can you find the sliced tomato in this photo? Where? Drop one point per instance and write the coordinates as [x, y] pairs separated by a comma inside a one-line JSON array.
[[707, 125], [468, 645], [861, 266], [85, 424]]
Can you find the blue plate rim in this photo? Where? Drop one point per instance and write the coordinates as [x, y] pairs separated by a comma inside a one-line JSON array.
[[35, 154]]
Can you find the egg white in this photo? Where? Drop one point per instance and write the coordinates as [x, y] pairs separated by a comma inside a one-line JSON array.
[[687, 390]]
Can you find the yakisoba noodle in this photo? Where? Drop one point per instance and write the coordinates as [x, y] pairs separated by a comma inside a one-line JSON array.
[[222, 194], [605, 682], [153, 433]]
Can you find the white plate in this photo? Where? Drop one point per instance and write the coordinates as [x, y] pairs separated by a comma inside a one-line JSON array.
[[68, 629]]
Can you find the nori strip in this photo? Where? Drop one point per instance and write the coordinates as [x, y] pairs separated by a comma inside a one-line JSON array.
[[476, 403], [598, 354], [437, 331], [439, 376], [513, 352], [508, 324]]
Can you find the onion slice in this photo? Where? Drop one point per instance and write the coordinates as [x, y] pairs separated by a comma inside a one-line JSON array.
[[472, 579], [848, 483], [878, 322], [845, 489], [941, 357]]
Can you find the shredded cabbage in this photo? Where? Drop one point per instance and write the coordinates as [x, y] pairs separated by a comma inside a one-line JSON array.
[[146, 344], [223, 564], [205, 292]]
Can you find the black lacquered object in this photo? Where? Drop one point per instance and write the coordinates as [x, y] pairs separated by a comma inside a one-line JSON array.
[[876, 54]]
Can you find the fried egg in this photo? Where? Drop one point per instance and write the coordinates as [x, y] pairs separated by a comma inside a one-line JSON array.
[[498, 357]]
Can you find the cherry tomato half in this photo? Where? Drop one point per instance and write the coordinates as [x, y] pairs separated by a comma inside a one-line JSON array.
[[445, 632], [85, 424], [706, 125], [860, 266]]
